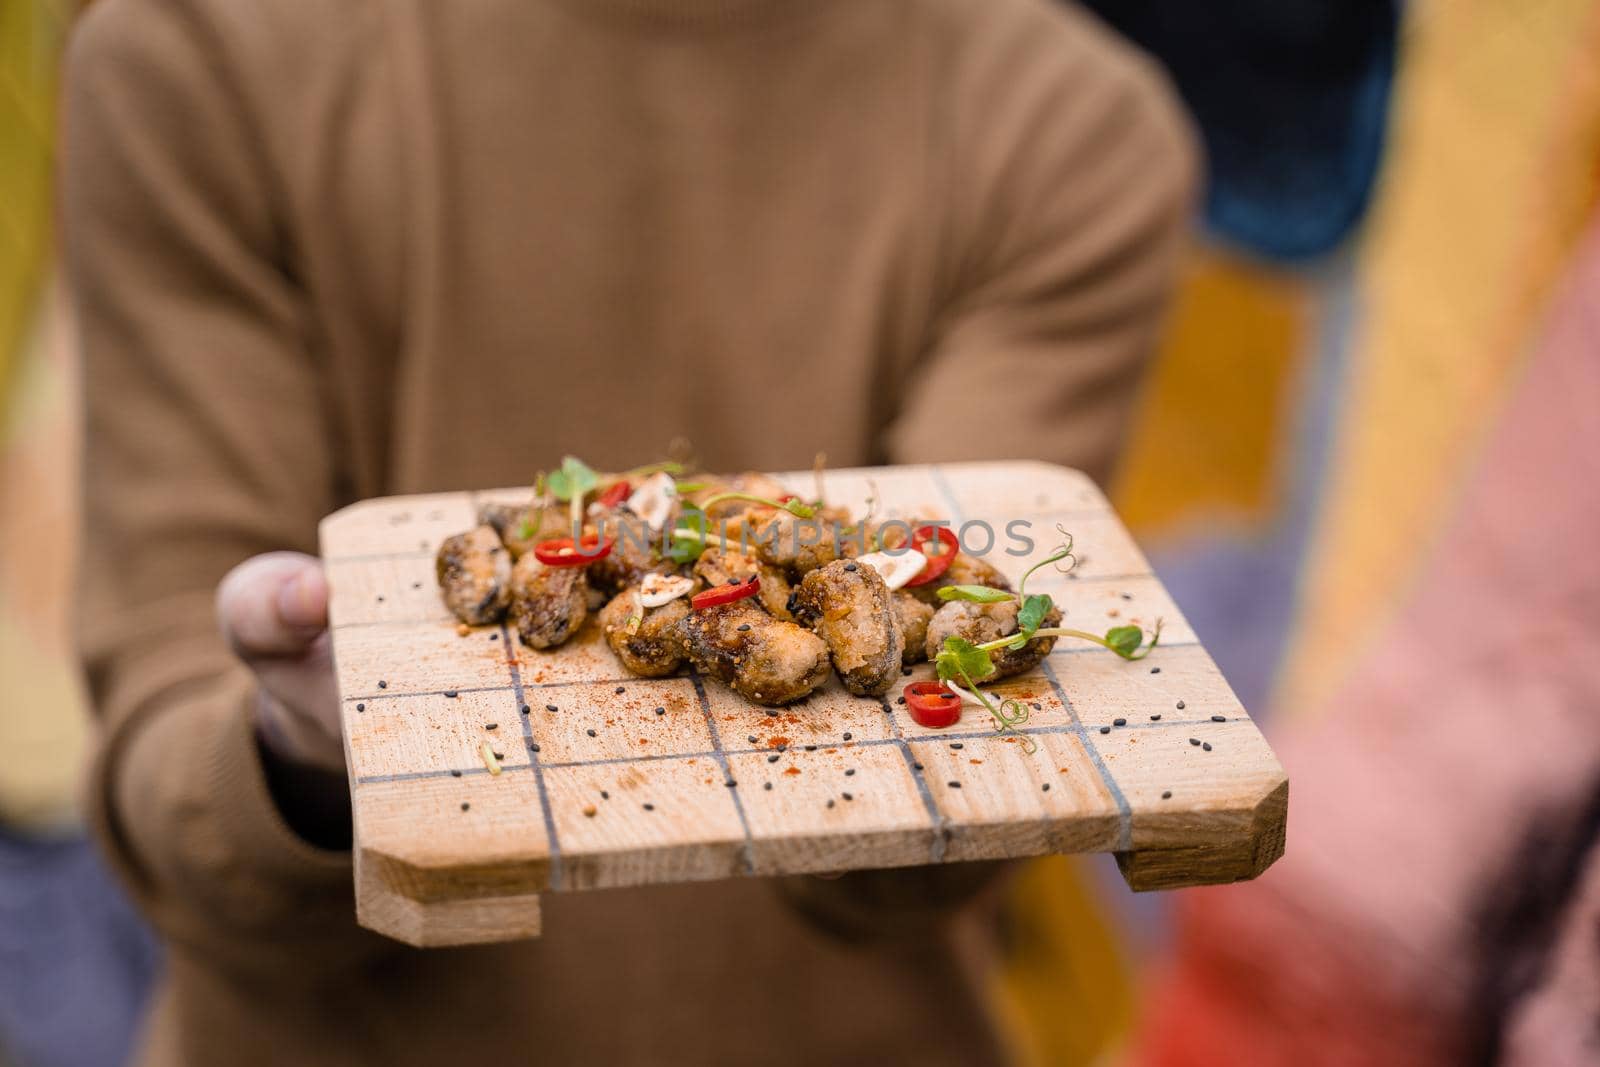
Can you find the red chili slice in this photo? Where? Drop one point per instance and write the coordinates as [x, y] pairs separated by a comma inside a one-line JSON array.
[[932, 705], [924, 537], [615, 494], [562, 552], [725, 594], [784, 498]]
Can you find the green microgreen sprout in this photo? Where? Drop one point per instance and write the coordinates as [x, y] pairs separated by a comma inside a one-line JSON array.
[[571, 483], [793, 507]]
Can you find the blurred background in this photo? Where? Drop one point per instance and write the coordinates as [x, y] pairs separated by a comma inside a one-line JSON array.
[[1397, 201]]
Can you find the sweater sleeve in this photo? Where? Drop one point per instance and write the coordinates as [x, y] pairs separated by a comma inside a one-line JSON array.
[[1069, 172], [206, 442]]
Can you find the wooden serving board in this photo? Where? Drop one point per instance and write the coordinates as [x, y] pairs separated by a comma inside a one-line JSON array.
[[612, 780]]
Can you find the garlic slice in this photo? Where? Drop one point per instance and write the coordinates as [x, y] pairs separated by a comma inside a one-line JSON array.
[[653, 500], [897, 568], [658, 589]]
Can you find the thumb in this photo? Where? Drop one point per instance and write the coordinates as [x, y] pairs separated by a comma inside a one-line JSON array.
[[273, 605]]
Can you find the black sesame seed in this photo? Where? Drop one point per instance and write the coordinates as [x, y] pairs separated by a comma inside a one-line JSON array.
[[494, 637], [499, 755], [465, 806], [1206, 746], [1127, 596], [1181, 705], [1036, 706], [1105, 729], [382, 684], [455, 774], [772, 712], [957, 745], [811, 748], [830, 802], [550, 707], [1155, 670], [380, 600], [1155, 718], [849, 772], [450, 694], [733, 581], [361, 707], [1119, 722], [751, 738], [783, 748], [621, 689], [648, 806], [899, 700], [742, 627], [847, 735], [916, 766], [604, 795], [1166, 794], [730, 783], [766, 785], [491, 726], [1194, 740], [590, 731], [849, 566], [954, 785], [661, 711], [772, 758], [533, 746], [1045, 787], [848, 796], [1219, 718], [526, 710]]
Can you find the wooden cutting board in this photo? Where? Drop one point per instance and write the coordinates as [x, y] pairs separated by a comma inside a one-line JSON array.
[[612, 780]]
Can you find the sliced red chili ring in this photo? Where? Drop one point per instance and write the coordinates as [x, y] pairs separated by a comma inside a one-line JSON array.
[[563, 552], [615, 494], [924, 537], [725, 594], [932, 705]]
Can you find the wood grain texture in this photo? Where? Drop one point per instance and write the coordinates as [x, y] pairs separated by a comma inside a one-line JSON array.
[[609, 780]]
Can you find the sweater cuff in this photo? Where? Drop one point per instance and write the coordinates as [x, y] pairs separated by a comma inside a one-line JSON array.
[[247, 812]]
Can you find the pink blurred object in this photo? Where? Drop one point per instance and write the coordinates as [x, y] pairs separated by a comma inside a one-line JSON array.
[[1440, 899]]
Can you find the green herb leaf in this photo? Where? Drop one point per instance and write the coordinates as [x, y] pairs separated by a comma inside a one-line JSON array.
[[1124, 640], [1035, 606], [977, 594], [688, 538], [573, 480], [960, 658]]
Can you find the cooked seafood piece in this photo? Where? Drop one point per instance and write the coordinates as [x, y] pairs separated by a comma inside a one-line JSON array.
[[964, 570], [988, 622], [474, 571], [852, 609], [768, 661], [647, 640], [520, 528], [718, 566], [548, 604], [776, 592], [913, 616], [633, 552], [788, 541]]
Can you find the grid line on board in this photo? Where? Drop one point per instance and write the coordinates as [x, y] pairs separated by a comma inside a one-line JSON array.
[[1124, 811], [936, 849], [867, 742], [533, 759], [727, 774]]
